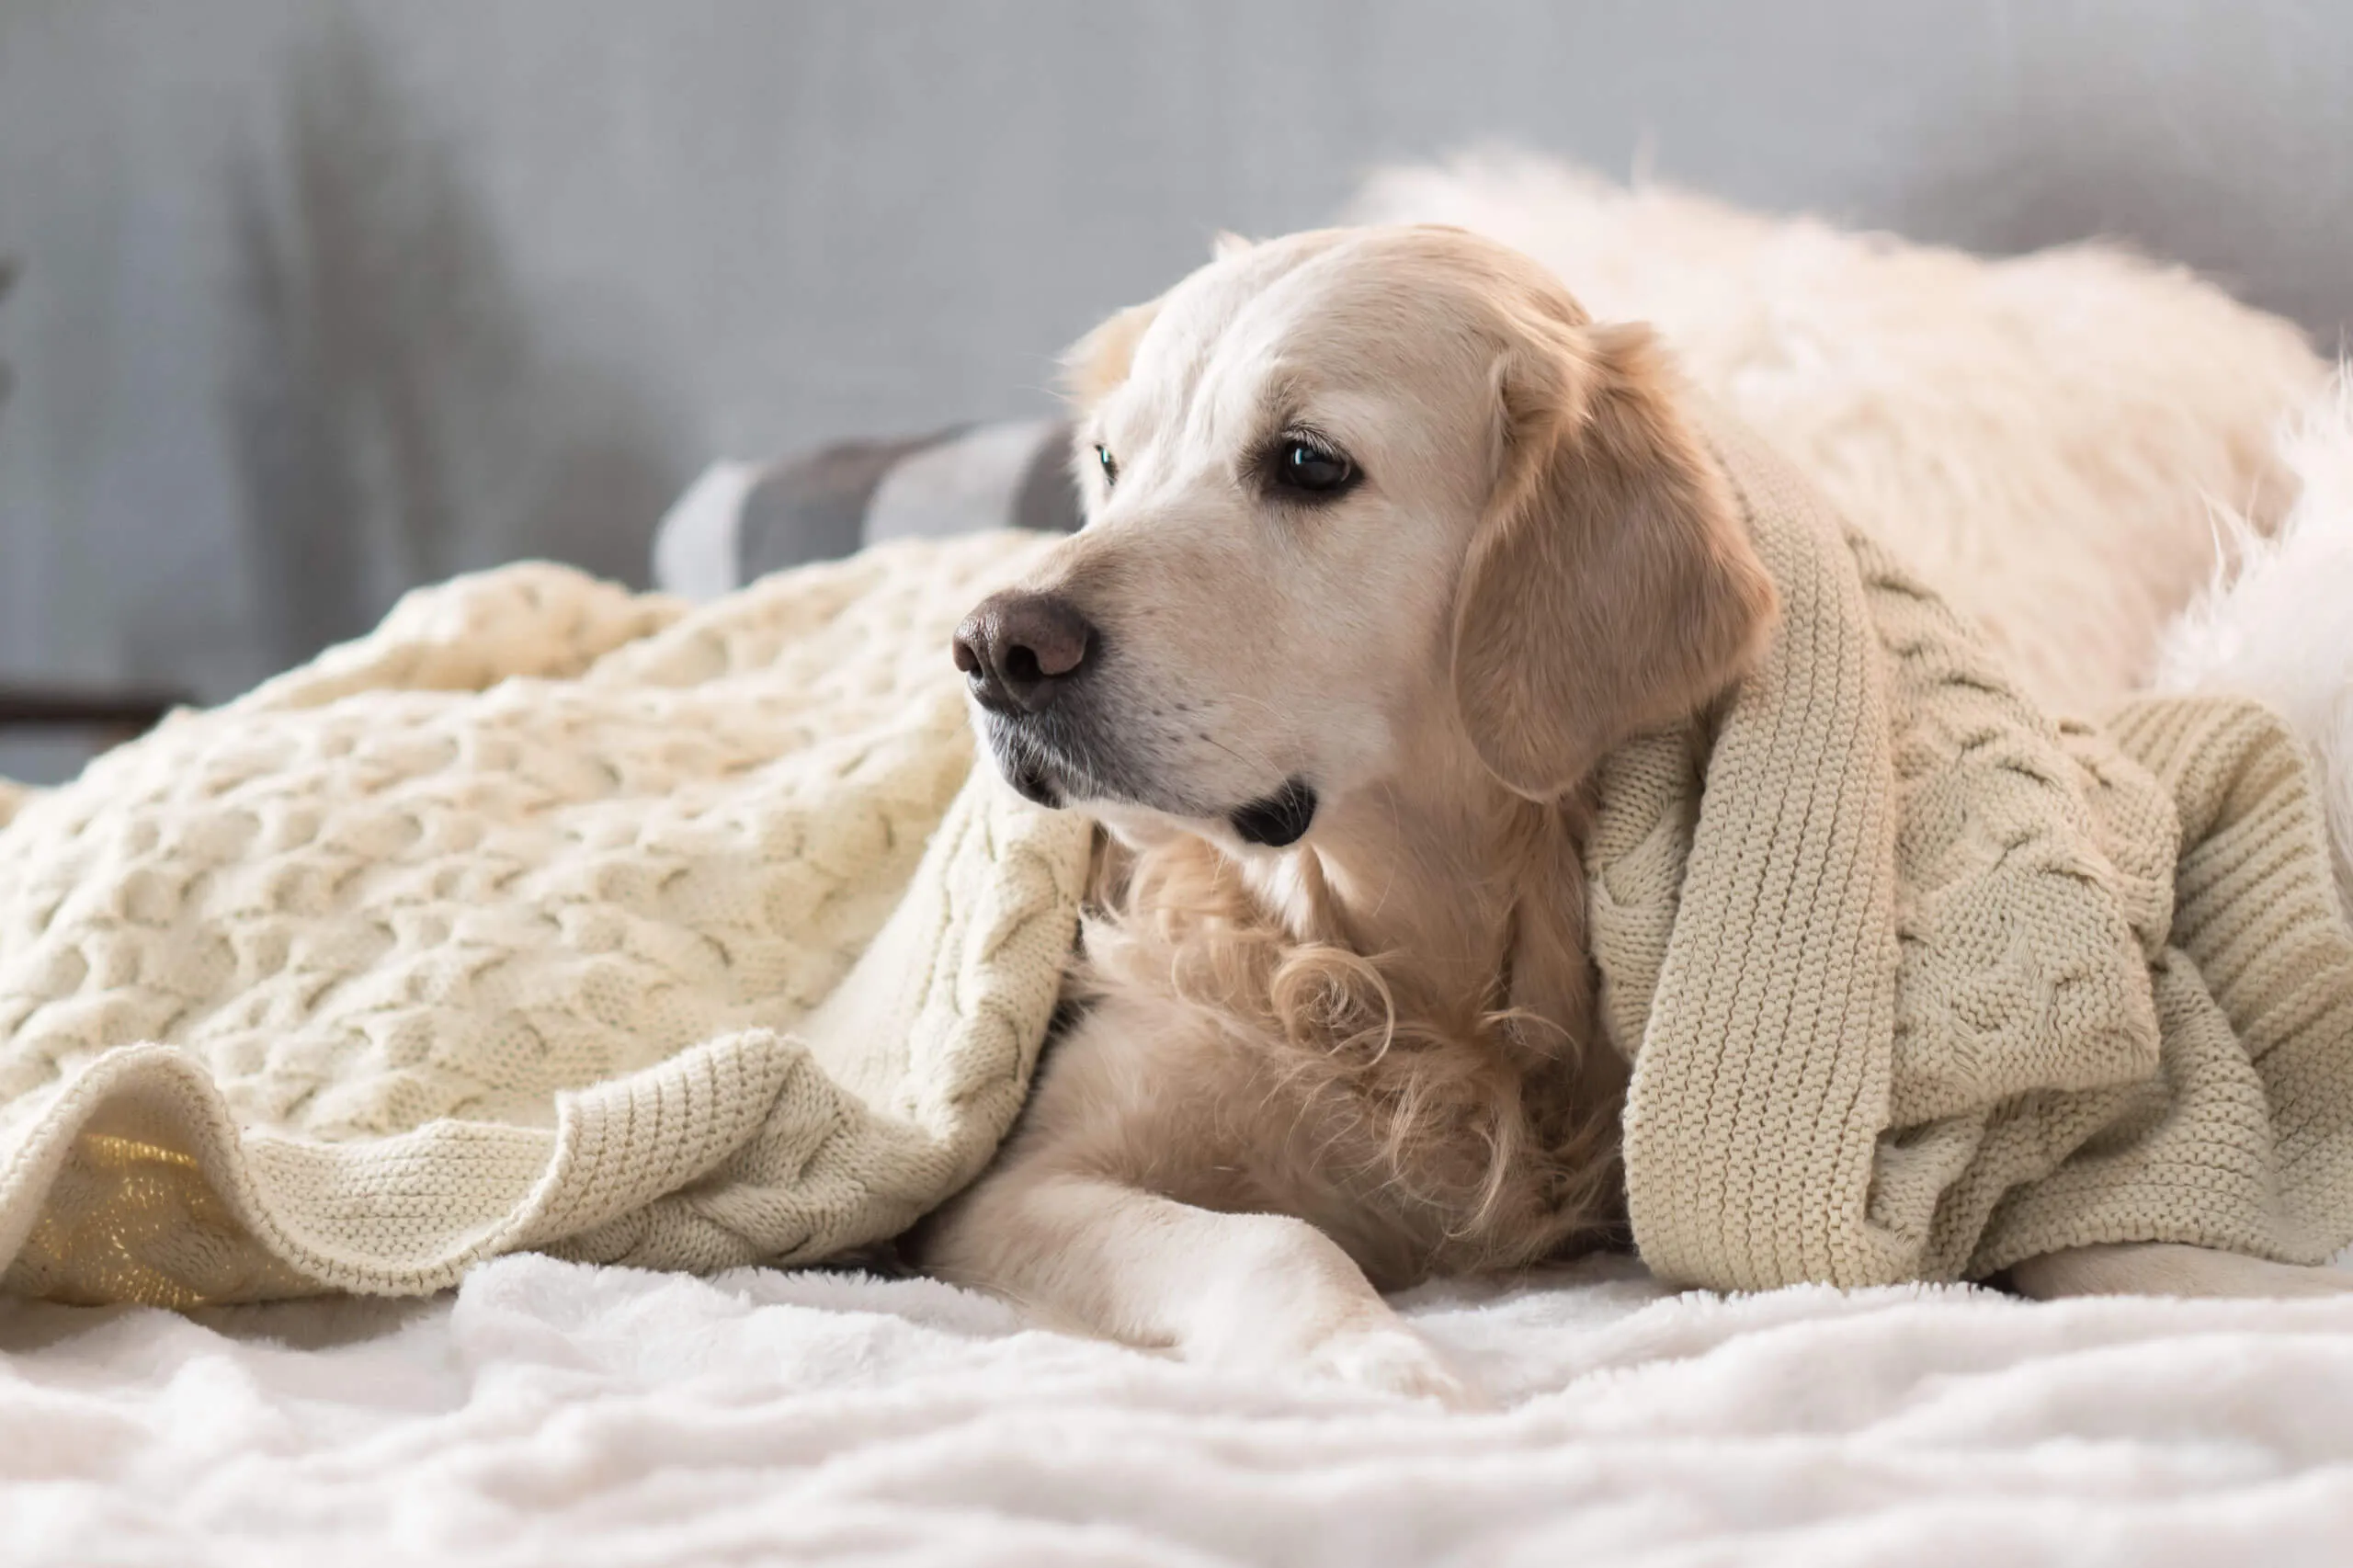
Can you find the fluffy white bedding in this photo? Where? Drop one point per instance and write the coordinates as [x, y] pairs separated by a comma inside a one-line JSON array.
[[556, 1412]]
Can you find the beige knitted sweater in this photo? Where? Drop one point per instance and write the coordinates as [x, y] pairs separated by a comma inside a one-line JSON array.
[[1925, 985], [545, 916]]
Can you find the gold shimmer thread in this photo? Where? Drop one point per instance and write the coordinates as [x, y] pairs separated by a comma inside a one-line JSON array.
[[134, 1221]]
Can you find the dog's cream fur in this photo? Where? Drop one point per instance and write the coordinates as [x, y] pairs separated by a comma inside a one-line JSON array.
[[1369, 1055]]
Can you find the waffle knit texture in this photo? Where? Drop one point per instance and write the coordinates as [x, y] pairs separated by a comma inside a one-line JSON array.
[[546, 916], [1925, 983]]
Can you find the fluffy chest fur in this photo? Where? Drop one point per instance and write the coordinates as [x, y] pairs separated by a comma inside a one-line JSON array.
[[1242, 1063]]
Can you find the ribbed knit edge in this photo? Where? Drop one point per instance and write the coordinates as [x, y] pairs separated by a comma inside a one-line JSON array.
[[1763, 1076]]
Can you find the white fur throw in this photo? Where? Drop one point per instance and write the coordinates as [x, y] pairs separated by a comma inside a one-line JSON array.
[[2278, 623], [545, 916], [2043, 438]]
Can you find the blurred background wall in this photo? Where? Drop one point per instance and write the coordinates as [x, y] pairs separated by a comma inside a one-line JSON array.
[[322, 299]]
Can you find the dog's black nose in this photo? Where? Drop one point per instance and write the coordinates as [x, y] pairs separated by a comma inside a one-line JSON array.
[[1019, 650]]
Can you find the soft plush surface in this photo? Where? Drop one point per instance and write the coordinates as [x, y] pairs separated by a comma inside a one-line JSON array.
[[2044, 437], [556, 1413], [1926, 984], [547, 915]]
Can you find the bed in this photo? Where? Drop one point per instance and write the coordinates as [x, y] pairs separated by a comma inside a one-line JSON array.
[[554, 1410]]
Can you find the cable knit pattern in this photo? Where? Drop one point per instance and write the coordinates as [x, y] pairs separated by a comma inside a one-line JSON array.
[[547, 915], [1925, 983]]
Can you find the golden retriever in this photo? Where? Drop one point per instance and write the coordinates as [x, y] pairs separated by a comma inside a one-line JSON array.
[[1388, 543]]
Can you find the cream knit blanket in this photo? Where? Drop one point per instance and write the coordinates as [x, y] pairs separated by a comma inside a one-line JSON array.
[[1925, 983], [545, 916]]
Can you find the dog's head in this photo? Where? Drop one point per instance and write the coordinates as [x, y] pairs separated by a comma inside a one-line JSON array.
[[1352, 495]]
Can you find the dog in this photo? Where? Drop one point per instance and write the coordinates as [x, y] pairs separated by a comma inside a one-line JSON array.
[[1388, 543]]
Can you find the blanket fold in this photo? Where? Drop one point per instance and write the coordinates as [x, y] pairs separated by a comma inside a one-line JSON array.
[[548, 915], [1921, 983]]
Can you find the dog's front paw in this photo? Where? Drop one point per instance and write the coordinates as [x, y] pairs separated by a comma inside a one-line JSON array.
[[1390, 1359]]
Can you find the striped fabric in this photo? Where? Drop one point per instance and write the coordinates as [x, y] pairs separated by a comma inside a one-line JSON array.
[[740, 521]]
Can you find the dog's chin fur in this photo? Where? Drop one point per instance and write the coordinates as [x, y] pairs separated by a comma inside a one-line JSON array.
[[1452, 1132], [1271, 821]]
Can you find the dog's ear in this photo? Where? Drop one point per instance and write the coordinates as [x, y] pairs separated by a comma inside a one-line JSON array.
[[1097, 363], [1225, 245], [1612, 586]]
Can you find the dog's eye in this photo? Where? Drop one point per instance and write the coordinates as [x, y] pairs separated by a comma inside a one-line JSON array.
[[1110, 465], [1316, 471]]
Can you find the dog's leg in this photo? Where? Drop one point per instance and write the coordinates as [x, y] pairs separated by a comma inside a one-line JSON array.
[[2152, 1269], [1262, 1292]]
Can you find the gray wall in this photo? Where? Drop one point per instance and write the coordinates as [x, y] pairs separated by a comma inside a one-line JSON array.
[[322, 299]]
